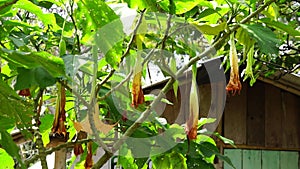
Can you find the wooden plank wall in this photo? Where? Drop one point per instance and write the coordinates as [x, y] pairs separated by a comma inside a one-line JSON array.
[[263, 116], [262, 159]]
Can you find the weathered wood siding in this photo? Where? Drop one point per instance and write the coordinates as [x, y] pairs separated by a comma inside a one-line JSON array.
[[262, 159], [263, 116]]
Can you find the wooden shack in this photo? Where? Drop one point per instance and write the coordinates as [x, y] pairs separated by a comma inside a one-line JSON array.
[[263, 120]]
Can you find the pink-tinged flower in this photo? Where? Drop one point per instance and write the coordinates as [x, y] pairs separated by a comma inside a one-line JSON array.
[[234, 85], [137, 91], [192, 122]]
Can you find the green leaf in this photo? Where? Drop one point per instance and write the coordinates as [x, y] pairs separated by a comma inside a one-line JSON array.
[[198, 163], [106, 27], [6, 122], [161, 162], [47, 19], [33, 77], [45, 127], [10, 146], [14, 107], [178, 161], [166, 101], [208, 149], [281, 26], [126, 159], [204, 121], [181, 6], [266, 39], [46, 122], [54, 65], [15, 23], [5, 160], [142, 4], [210, 29]]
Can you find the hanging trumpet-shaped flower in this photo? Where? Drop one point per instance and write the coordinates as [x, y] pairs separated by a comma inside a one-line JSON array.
[[192, 122], [60, 113], [137, 91], [89, 157], [234, 84], [78, 147]]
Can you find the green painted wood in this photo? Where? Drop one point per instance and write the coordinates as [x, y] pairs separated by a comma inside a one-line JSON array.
[[289, 160], [251, 159], [235, 156], [270, 160]]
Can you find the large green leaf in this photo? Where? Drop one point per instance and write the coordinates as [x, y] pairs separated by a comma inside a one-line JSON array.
[[178, 161], [198, 163], [181, 6], [47, 19], [32, 77], [10, 146], [279, 25], [142, 4], [266, 39], [14, 107], [54, 65], [5, 159], [104, 28], [161, 162], [45, 127], [208, 149]]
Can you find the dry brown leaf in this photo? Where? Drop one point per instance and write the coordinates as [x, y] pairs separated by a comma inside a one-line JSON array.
[[85, 124]]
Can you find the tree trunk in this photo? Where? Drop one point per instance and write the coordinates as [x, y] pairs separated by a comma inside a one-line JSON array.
[[60, 159]]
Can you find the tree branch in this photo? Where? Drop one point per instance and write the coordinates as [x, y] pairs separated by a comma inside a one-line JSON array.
[[51, 150], [39, 142], [6, 4]]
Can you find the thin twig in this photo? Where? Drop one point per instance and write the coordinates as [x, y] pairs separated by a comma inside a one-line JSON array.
[[75, 27], [85, 103], [163, 43], [116, 87]]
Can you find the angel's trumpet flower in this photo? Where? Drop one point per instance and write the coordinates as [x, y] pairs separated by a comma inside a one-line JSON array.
[[89, 157], [60, 113], [234, 84], [192, 122]]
